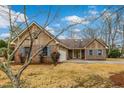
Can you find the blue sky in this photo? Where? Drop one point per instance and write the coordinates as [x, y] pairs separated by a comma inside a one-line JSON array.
[[66, 15]]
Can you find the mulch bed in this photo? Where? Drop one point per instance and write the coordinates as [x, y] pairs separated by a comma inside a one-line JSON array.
[[117, 79]]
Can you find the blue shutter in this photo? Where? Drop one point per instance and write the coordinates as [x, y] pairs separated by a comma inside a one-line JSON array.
[[22, 51], [48, 51], [95, 52], [86, 52]]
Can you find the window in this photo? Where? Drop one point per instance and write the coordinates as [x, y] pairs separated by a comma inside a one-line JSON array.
[[90, 52], [27, 49], [45, 51], [22, 51], [99, 52], [49, 50]]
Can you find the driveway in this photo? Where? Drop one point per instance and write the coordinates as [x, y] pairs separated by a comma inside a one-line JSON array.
[[93, 61]]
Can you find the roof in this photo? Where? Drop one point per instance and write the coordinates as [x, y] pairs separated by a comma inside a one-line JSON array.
[[43, 29], [73, 43], [79, 43], [67, 43], [34, 23]]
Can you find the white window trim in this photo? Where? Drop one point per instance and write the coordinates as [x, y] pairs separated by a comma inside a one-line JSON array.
[[89, 52], [98, 52]]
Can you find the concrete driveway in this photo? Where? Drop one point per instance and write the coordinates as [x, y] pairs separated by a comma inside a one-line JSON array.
[[93, 61]]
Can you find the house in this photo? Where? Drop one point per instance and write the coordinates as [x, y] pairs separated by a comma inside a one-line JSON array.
[[87, 49]]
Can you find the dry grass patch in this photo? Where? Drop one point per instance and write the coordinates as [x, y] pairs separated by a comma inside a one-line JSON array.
[[115, 59], [3, 79], [67, 75]]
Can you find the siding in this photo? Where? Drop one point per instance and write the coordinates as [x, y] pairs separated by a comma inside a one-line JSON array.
[[95, 55], [42, 40], [95, 46]]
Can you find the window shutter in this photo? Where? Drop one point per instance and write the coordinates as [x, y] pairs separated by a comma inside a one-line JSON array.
[[95, 52], [22, 51], [48, 51]]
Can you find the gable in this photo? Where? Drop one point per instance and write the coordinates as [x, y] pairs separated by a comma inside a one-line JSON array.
[[95, 44], [43, 37], [33, 27]]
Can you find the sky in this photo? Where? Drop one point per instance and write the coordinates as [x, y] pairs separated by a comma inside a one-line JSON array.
[[66, 15]]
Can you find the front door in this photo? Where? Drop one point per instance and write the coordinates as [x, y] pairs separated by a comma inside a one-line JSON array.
[[77, 54]]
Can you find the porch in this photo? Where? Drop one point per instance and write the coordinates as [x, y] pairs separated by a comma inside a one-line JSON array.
[[76, 54]]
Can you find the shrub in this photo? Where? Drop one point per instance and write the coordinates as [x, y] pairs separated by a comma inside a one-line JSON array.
[[2, 50], [3, 44], [114, 53], [55, 57]]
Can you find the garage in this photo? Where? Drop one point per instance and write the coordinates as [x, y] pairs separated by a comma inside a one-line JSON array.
[[62, 55]]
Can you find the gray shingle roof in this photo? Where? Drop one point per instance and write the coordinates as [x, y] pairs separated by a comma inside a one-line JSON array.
[[78, 43]]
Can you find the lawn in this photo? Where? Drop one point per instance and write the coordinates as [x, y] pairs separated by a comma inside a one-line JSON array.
[[66, 75]]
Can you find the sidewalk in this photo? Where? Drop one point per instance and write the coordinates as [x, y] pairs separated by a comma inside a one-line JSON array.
[[93, 61]]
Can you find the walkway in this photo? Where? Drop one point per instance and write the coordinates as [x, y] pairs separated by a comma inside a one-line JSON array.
[[93, 61]]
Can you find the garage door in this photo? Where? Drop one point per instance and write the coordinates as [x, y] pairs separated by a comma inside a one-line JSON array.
[[62, 55]]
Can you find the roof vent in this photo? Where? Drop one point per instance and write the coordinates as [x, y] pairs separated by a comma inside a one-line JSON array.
[[75, 39]]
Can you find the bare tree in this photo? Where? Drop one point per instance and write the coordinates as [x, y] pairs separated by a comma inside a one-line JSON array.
[[112, 25], [6, 66]]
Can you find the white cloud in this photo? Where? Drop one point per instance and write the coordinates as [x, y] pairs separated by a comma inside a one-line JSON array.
[[120, 31], [93, 12], [75, 19], [62, 37], [4, 16], [76, 30], [50, 29], [56, 25], [76, 36], [4, 35]]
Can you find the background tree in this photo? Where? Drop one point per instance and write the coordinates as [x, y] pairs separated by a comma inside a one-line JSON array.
[[3, 44]]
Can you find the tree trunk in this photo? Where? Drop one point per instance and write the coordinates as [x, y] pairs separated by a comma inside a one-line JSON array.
[[15, 82]]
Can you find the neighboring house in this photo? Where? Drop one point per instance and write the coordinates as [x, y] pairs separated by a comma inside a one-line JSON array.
[[88, 49]]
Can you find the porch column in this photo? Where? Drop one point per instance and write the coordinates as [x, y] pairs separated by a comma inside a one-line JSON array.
[[80, 54], [84, 53], [73, 53]]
